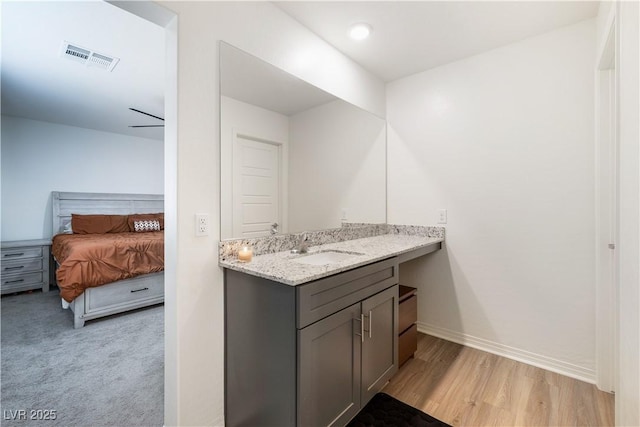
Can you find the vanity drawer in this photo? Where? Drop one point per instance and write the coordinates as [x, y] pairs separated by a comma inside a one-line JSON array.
[[319, 299], [21, 253], [120, 293], [407, 313], [19, 266], [407, 344], [407, 328]]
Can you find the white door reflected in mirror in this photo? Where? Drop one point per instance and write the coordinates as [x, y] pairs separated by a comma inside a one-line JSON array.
[[256, 186]]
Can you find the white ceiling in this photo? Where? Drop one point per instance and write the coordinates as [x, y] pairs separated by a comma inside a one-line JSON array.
[[409, 37], [38, 84]]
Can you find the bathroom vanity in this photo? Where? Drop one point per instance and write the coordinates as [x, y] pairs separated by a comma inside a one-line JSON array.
[[310, 338]]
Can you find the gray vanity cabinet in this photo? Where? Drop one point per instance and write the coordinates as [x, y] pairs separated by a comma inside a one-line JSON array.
[[379, 347], [308, 355], [345, 359], [329, 370]]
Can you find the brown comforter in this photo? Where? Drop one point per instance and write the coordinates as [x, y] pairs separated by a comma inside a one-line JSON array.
[[88, 260]]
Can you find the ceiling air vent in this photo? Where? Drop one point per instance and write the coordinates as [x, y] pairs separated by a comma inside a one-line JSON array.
[[77, 53], [88, 57]]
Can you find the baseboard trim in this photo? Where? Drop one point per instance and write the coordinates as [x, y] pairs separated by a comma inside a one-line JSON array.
[[540, 361]]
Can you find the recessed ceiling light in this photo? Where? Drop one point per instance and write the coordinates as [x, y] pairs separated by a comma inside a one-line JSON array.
[[359, 31]]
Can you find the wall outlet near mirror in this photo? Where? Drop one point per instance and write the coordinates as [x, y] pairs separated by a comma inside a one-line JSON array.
[[442, 216], [202, 224], [344, 214]]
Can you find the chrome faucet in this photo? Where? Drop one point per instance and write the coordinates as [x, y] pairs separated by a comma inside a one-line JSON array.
[[301, 247]]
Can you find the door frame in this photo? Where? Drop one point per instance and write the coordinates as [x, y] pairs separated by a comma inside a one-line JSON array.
[[607, 187]]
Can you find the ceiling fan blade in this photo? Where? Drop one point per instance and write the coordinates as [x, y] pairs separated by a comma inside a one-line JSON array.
[[146, 114], [147, 126]]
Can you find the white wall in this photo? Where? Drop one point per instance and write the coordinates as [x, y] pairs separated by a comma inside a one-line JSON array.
[[247, 119], [40, 157], [197, 326], [337, 161], [504, 141]]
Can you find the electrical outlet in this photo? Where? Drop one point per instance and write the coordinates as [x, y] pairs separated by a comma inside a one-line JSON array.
[[442, 216], [344, 214], [202, 224]]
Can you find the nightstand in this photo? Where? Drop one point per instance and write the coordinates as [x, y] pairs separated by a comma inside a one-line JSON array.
[[24, 265], [407, 328]]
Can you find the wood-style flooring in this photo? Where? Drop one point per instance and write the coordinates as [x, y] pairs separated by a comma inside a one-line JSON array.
[[463, 386]]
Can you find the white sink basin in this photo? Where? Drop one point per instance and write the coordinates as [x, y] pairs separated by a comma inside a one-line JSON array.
[[325, 257]]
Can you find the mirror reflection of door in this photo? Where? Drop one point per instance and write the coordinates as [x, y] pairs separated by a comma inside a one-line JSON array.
[[256, 186]]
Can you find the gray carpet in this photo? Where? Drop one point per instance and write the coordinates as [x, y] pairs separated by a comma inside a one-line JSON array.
[[109, 373]]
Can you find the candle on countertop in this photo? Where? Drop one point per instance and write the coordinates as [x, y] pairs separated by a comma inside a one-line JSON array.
[[245, 254]]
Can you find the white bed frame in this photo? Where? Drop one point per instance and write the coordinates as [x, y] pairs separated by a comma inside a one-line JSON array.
[[123, 295]]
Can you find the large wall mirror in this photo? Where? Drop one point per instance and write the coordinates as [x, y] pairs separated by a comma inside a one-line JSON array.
[[293, 157]]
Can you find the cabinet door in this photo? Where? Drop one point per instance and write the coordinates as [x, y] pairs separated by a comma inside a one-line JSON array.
[[379, 349], [329, 369]]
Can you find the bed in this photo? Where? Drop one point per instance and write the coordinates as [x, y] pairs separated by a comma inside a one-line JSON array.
[[104, 299]]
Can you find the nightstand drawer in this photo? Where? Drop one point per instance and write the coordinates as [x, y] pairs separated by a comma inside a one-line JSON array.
[[16, 282], [21, 266], [24, 265], [20, 253]]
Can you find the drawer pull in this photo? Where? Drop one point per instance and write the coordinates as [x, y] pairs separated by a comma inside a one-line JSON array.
[[361, 320], [13, 268], [12, 255], [14, 281], [370, 316], [139, 290]]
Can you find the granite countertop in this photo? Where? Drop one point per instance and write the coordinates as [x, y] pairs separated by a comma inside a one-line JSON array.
[[281, 267]]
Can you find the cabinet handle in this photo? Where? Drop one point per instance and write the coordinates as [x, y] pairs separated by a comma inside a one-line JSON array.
[[361, 320], [370, 315], [14, 281], [13, 268], [11, 255], [139, 290]]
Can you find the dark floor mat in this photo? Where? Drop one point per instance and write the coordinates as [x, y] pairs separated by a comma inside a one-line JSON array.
[[385, 411]]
